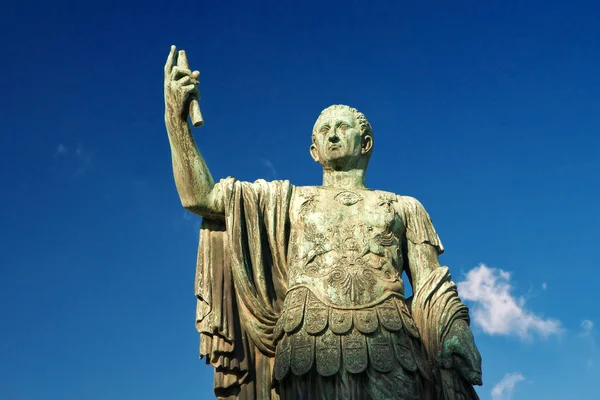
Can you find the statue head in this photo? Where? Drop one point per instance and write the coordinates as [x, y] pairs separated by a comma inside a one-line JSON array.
[[342, 139]]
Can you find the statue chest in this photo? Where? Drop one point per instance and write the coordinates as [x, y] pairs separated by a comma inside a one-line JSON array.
[[345, 246]]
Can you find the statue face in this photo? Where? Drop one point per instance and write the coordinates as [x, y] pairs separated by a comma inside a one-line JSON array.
[[338, 143]]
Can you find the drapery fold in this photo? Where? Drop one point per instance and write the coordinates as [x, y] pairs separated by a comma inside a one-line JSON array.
[[435, 307], [240, 285]]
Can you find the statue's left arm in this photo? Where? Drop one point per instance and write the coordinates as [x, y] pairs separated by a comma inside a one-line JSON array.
[[442, 318]]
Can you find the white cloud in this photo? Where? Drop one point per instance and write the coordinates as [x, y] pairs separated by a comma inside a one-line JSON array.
[[544, 286], [587, 333], [60, 149], [587, 326], [496, 311], [503, 389]]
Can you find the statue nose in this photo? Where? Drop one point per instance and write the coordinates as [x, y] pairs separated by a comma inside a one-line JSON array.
[[333, 138]]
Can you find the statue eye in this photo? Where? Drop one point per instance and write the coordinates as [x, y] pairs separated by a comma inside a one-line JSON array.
[[344, 126], [324, 129]]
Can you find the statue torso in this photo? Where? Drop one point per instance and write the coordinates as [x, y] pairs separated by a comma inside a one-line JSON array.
[[346, 246], [345, 306]]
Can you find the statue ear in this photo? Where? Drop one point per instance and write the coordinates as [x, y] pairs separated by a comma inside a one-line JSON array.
[[367, 144], [313, 152]]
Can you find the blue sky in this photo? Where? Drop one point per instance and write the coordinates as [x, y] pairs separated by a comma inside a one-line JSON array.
[[487, 112]]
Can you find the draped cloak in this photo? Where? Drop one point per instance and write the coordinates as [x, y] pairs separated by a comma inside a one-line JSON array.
[[241, 282]]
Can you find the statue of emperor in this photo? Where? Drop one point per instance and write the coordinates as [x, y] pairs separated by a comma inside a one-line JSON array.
[[299, 289]]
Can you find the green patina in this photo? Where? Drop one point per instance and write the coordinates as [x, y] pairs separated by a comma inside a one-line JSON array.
[[300, 290]]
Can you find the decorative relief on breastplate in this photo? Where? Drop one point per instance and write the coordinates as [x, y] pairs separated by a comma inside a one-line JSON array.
[[350, 266], [351, 277], [349, 255], [348, 198], [386, 200]]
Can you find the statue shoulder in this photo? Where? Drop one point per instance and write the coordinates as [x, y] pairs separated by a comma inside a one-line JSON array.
[[409, 205], [230, 183], [301, 196], [306, 191], [419, 226], [389, 196]]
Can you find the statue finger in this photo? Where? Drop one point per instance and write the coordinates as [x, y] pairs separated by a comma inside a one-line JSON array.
[[191, 90], [466, 370], [178, 72], [182, 60], [196, 75], [171, 60], [186, 80]]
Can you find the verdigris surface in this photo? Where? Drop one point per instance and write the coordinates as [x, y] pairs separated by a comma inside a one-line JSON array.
[[300, 291]]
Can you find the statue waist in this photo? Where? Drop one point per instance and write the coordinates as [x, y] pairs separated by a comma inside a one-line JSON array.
[[349, 286]]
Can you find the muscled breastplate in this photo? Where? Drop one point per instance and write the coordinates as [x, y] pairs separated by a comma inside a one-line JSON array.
[[345, 306], [345, 247]]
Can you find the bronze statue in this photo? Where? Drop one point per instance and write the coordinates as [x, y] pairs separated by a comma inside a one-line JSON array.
[[300, 291]]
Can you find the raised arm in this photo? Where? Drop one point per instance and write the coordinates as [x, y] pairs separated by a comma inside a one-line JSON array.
[[195, 185]]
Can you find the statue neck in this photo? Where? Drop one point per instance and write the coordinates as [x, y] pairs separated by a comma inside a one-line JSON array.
[[351, 179]]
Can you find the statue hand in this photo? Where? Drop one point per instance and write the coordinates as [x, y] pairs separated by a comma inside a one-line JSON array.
[[181, 87], [460, 353]]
